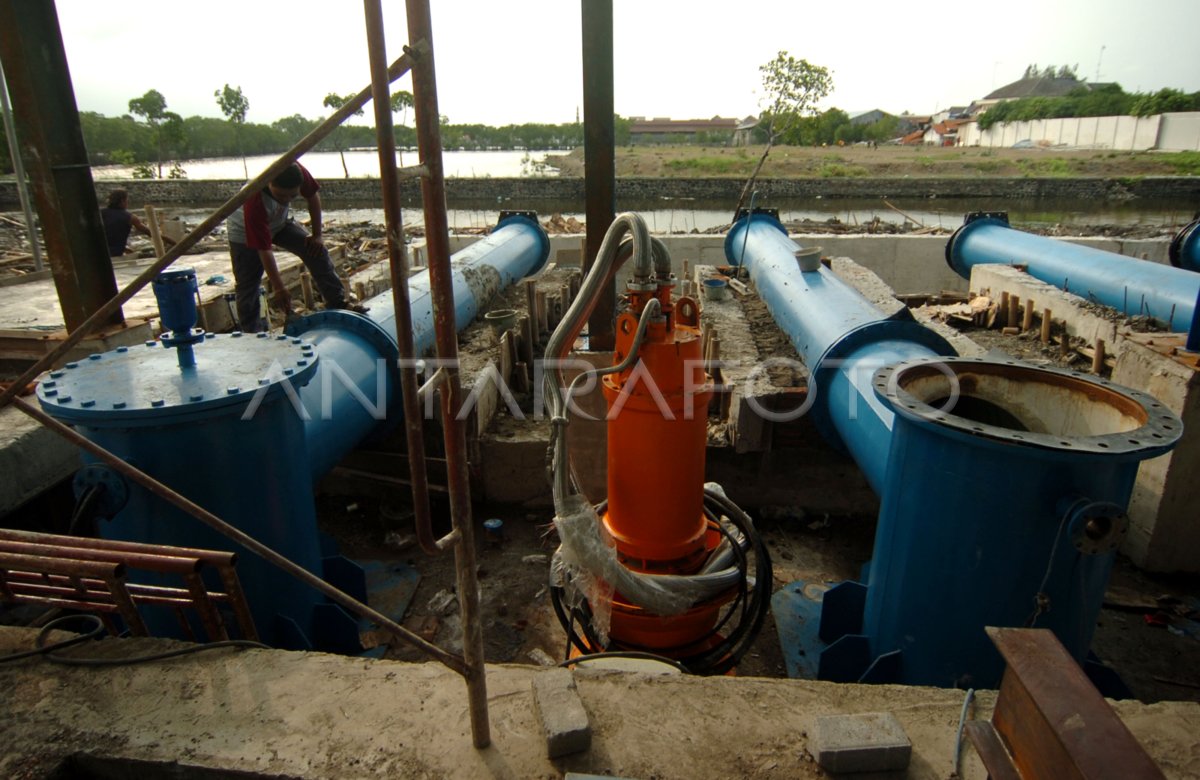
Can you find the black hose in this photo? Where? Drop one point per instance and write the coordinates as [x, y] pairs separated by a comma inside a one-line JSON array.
[[50, 652], [750, 606]]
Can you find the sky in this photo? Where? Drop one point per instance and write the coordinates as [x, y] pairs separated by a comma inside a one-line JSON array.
[[520, 60]]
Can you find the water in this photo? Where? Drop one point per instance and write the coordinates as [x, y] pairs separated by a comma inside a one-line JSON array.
[[680, 215], [686, 216], [360, 164]]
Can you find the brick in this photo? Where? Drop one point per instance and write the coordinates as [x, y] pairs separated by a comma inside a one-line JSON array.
[[871, 742], [560, 710]]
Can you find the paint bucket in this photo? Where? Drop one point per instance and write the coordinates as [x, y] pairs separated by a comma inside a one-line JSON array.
[[809, 259], [500, 320], [715, 289]]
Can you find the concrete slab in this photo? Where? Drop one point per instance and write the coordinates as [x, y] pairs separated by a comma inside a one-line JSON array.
[[312, 715], [32, 458]]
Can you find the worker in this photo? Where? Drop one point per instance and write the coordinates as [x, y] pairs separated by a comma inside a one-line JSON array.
[[265, 221], [119, 220]]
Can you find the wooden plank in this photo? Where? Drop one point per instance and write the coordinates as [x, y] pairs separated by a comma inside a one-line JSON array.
[[1053, 721], [991, 750]]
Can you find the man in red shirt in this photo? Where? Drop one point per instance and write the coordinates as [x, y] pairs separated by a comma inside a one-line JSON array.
[[264, 222]]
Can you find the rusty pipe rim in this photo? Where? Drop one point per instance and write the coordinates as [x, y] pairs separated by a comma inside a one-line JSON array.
[[1012, 402]]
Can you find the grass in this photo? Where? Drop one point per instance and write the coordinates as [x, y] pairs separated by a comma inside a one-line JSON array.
[[986, 166], [1051, 166], [839, 171], [1184, 163], [706, 165]]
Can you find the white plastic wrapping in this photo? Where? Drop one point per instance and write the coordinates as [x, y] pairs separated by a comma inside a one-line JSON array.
[[589, 554]]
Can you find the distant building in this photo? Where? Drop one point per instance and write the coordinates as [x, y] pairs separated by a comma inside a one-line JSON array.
[[868, 117], [944, 133], [664, 130], [743, 134], [1033, 86]]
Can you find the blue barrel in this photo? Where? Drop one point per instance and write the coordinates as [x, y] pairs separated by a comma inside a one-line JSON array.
[[224, 433], [1131, 286]]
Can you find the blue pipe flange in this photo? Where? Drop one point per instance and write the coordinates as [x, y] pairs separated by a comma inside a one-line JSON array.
[[1184, 249], [1095, 527], [980, 388], [144, 386], [114, 490]]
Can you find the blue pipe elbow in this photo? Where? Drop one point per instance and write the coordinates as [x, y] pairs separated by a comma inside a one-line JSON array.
[[1133, 287], [356, 391], [840, 335], [1184, 250]]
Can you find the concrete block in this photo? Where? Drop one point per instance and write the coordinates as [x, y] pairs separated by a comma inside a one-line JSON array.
[[871, 742], [561, 713]]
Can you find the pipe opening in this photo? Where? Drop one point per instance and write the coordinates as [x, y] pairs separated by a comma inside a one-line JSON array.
[[1022, 398]]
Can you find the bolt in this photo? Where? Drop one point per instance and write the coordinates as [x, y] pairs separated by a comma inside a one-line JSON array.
[[64, 399], [295, 341], [281, 337], [264, 381], [232, 390], [122, 350], [51, 393], [157, 402], [95, 356], [57, 374], [151, 343], [289, 371], [72, 365], [48, 385], [88, 404], [237, 334], [118, 404], [302, 362], [262, 335]]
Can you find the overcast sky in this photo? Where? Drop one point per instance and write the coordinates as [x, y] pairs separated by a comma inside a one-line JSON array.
[[519, 60]]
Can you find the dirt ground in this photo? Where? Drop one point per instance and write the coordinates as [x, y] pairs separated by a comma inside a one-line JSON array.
[[881, 162]]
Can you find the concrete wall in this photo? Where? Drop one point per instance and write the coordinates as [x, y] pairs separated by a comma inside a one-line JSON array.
[[566, 193], [1180, 132], [1125, 133], [908, 264]]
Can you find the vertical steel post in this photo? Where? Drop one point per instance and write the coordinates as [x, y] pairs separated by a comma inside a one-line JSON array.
[[47, 120], [389, 180], [437, 238], [599, 157], [14, 151]]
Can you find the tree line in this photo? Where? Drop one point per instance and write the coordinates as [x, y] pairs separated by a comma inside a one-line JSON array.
[[150, 134], [1102, 100]]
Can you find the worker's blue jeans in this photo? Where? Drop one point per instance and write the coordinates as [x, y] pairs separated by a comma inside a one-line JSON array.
[[248, 272]]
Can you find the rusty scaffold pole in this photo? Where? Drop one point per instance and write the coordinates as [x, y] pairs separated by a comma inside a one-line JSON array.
[[437, 238]]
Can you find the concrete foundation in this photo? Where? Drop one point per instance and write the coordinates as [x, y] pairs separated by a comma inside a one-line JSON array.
[[309, 715]]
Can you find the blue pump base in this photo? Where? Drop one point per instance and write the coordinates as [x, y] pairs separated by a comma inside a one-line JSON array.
[[818, 628]]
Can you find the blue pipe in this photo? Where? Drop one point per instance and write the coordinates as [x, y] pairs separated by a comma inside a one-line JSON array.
[[355, 386], [840, 336], [1002, 486], [1184, 250], [1133, 287]]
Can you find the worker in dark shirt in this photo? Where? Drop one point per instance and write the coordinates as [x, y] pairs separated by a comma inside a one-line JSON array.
[[264, 222], [118, 220]]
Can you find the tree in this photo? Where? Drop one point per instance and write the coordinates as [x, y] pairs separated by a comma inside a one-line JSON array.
[[165, 125], [338, 136], [234, 106], [402, 100], [791, 90]]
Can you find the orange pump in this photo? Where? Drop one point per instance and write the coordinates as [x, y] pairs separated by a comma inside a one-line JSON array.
[[657, 432]]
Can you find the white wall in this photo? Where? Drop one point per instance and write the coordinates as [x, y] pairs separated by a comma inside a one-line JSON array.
[[1180, 132], [1175, 132]]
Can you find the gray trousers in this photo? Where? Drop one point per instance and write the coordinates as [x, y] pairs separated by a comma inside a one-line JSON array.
[[248, 272]]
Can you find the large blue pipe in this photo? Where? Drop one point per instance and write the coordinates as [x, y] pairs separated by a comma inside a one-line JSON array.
[[840, 336], [1184, 250], [354, 388], [249, 423], [1133, 287], [1002, 487]]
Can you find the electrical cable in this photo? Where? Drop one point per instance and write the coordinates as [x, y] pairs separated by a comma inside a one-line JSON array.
[[50, 652], [962, 722], [83, 507], [636, 654]]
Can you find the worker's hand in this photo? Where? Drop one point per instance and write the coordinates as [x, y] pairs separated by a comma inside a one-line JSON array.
[[314, 245], [284, 302]]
